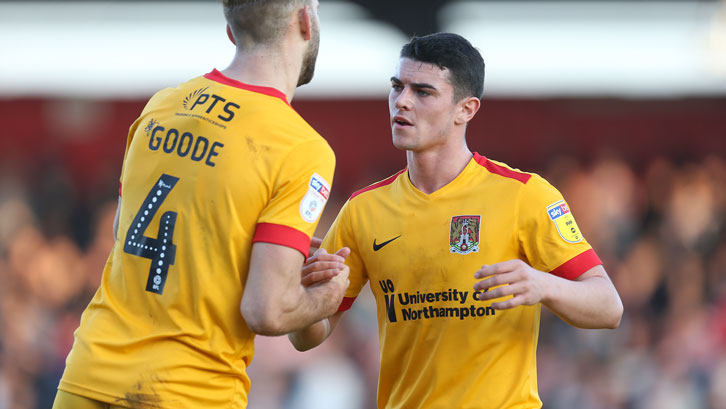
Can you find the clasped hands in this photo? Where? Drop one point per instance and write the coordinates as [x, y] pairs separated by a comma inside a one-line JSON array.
[[515, 278], [321, 266]]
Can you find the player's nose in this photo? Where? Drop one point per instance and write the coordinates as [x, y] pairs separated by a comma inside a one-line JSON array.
[[403, 100]]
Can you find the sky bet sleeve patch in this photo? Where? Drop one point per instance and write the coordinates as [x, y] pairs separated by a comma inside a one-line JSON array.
[[314, 200], [561, 216]]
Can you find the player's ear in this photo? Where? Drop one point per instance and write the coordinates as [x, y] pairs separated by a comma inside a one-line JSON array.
[[305, 22], [468, 107], [230, 35]]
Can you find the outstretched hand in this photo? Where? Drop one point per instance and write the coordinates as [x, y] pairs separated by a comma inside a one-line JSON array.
[[322, 266], [527, 285]]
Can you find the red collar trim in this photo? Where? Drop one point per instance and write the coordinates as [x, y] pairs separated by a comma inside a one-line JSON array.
[[223, 79], [376, 185], [501, 170]]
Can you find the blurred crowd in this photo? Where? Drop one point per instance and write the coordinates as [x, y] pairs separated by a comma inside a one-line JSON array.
[[659, 227]]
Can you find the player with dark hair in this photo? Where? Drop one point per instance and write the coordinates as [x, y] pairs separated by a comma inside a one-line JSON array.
[[460, 251], [447, 50], [223, 184]]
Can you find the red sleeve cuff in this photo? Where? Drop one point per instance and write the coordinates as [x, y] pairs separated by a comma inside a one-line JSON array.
[[577, 265], [346, 304], [119, 190], [284, 236]]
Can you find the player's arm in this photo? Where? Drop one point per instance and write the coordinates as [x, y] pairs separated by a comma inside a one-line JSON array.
[[314, 335], [588, 301], [317, 269], [275, 302]]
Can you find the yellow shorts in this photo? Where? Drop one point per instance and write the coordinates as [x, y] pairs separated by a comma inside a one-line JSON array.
[[65, 400]]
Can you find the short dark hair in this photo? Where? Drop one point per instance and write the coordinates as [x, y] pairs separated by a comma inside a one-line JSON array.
[[455, 53], [256, 22]]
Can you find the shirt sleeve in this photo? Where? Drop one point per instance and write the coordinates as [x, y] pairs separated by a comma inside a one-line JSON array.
[[341, 235], [548, 234], [299, 194], [129, 138]]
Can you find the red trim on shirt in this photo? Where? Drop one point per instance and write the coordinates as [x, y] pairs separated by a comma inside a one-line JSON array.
[[346, 304], [284, 236], [577, 265], [501, 170], [223, 79], [378, 184], [119, 190]]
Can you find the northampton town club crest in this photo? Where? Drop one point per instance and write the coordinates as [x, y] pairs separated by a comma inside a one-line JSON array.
[[464, 234]]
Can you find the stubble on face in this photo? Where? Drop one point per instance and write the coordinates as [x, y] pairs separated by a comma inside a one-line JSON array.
[[307, 71]]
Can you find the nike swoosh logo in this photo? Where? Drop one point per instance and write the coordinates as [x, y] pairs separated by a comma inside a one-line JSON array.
[[377, 247]]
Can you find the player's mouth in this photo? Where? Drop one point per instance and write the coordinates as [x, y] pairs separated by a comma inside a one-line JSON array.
[[399, 121]]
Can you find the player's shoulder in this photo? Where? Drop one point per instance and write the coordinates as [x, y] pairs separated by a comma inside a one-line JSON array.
[[292, 125], [261, 110], [528, 184], [502, 170], [180, 96], [378, 187]]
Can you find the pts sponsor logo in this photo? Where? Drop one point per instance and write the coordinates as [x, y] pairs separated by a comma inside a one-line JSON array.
[[201, 100]]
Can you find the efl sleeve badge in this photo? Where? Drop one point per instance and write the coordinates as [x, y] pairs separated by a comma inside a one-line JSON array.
[[315, 198], [561, 216]]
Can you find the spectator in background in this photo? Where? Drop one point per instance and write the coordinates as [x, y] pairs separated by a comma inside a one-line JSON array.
[[601, 369], [616, 370]]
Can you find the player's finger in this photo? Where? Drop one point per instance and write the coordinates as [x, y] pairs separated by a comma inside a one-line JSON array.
[[315, 244], [344, 252], [510, 303], [326, 257], [488, 270], [497, 268], [495, 280], [315, 255], [503, 291], [317, 277], [311, 259], [337, 263]]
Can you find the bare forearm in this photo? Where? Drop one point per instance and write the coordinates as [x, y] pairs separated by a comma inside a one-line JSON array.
[[296, 309], [274, 300], [311, 336], [315, 334], [591, 303]]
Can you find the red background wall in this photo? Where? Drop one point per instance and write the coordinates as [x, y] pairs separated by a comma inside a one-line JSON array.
[[86, 138]]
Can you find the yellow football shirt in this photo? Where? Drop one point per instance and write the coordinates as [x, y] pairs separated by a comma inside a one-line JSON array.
[[211, 166], [440, 346]]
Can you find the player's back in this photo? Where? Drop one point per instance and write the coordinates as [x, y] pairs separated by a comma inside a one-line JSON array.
[[203, 163]]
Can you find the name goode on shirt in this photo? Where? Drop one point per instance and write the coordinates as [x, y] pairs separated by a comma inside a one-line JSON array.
[[182, 143]]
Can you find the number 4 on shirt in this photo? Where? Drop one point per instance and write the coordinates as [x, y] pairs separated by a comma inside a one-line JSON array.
[[160, 250]]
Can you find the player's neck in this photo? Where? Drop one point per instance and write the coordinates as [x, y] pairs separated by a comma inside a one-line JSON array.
[[265, 68], [429, 171]]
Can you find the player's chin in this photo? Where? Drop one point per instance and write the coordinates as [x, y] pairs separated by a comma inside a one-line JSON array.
[[403, 141]]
